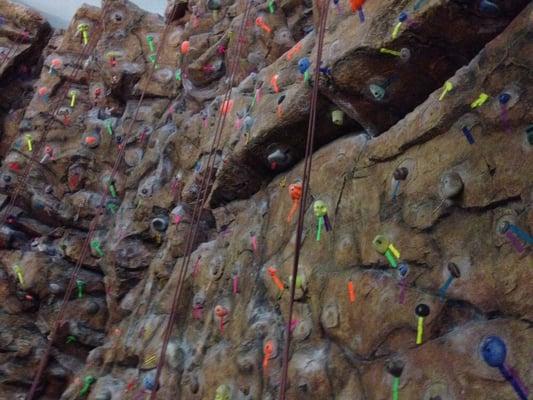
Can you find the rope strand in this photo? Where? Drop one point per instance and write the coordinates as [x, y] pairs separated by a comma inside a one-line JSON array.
[[193, 229], [14, 46], [305, 186], [94, 222], [22, 181]]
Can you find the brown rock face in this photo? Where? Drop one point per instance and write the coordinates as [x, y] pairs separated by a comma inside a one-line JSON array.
[[421, 163], [24, 34]]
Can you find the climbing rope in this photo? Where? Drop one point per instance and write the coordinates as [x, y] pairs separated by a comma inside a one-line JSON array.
[[95, 220], [14, 47], [22, 181], [202, 197], [89, 48], [305, 186]]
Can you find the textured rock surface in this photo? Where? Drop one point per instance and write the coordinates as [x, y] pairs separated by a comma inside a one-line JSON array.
[[23, 35], [450, 208]]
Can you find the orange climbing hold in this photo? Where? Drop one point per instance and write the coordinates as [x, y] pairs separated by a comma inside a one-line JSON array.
[[226, 107], [90, 140], [73, 182], [295, 190], [279, 111], [268, 349], [274, 83], [351, 292], [185, 47], [356, 4], [295, 50], [272, 272], [260, 22]]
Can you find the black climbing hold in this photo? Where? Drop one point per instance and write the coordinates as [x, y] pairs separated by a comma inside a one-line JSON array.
[[160, 224], [395, 368], [400, 174], [454, 270], [529, 133], [422, 310]]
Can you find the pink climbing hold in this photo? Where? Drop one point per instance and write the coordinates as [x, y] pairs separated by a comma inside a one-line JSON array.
[[294, 324], [14, 166], [197, 311], [196, 268], [253, 240], [235, 283], [43, 92], [221, 312]]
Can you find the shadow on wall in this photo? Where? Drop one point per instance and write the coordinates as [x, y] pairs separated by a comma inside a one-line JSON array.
[[245, 173]]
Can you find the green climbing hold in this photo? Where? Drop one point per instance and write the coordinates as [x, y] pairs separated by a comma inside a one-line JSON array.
[[80, 285], [87, 382], [96, 246], [112, 207], [223, 393], [109, 126], [151, 44]]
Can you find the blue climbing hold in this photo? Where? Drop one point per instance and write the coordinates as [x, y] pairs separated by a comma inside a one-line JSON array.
[[403, 16], [248, 123], [504, 98], [488, 7], [403, 269], [494, 351], [303, 65], [149, 381], [325, 70]]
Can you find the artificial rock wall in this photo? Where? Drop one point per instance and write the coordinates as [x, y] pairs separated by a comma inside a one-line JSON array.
[[465, 175]]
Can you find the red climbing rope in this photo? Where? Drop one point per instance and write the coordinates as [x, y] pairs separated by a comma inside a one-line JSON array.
[[305, 185], [202, 197]]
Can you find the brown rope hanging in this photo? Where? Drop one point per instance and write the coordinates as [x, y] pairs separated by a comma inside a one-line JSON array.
[[202, 197], [13, 48], [305, 186]]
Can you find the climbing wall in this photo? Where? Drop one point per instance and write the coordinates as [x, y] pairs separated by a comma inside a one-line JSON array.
[[155, 174]]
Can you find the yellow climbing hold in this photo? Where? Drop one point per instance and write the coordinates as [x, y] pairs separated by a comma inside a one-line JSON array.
[[482, 99], [448, 86]]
